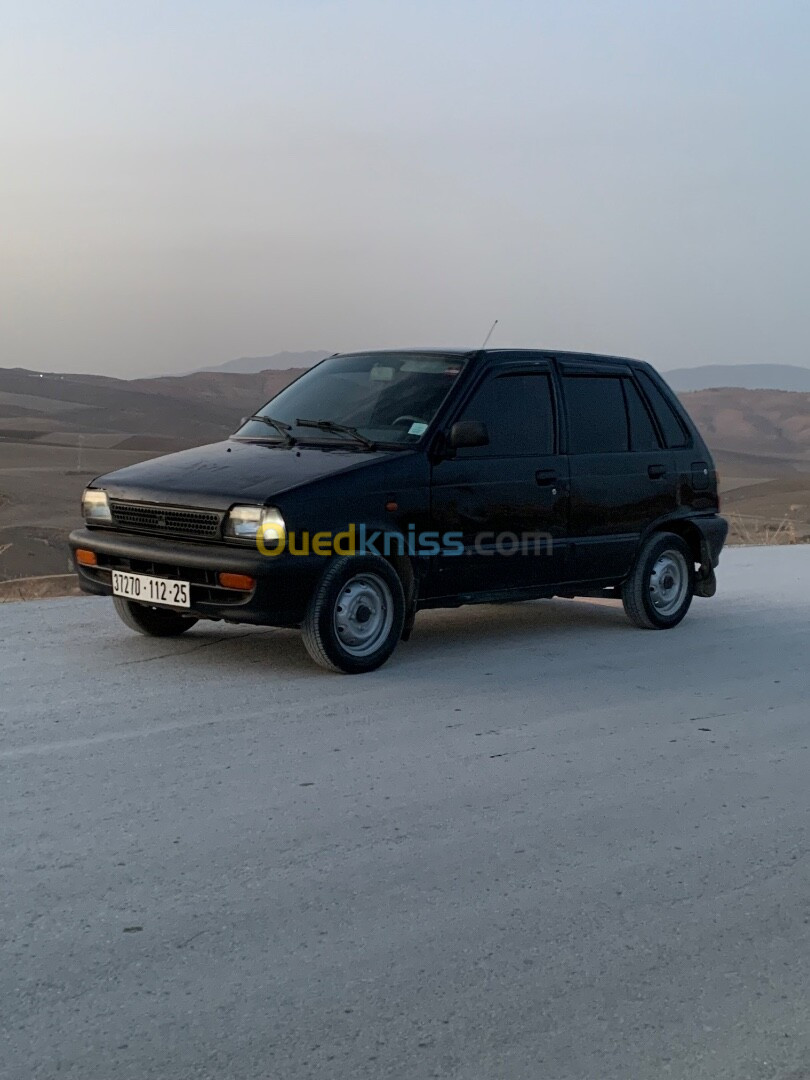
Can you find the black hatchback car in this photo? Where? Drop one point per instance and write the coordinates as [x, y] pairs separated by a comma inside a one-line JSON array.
[[378, 484]]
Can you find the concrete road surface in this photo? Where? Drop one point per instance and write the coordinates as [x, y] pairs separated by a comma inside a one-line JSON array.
[[537, 845]]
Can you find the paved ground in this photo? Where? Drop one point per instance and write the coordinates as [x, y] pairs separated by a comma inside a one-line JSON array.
[[538, 845]]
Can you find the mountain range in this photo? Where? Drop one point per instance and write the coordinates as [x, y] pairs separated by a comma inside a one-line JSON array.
[[58, 432], [279, 361], [704, 377], [747, 376], [162, 413]]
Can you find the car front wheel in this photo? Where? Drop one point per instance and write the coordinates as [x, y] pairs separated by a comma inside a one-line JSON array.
[[356, 615], [659, 590]]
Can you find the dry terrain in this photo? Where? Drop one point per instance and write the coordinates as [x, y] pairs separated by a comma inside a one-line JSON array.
[[761, 443], [59, 431]]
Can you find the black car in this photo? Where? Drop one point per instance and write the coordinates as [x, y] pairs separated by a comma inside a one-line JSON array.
[[381, 483]]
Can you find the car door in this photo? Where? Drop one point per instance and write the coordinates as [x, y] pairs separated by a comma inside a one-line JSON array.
[[620, 475], [506, 502]]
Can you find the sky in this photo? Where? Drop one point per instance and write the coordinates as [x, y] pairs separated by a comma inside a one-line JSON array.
[[182, 183]]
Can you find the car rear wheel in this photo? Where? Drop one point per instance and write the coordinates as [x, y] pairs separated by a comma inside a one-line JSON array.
[[154, 622], [659, 590], [356, 615]]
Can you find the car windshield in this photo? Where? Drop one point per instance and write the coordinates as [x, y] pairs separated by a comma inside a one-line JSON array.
[[387, 398]]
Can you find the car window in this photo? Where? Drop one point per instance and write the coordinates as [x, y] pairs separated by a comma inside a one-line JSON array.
[[643, 435], [518, 412], [597, 418], [675, 434]]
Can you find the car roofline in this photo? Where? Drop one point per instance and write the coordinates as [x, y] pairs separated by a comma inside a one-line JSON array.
[[561, 354], [408, 352]]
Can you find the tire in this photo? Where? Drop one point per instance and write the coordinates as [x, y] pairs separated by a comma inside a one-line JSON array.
[[659, 590], [153, 622], [356, 615]]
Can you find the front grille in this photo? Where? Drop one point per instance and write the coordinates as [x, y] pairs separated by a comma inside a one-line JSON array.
[[166, 520], [194, 574]]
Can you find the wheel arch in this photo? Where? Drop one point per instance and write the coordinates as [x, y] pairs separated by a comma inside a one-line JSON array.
[[403, 566], [688, 531], [693, 535]]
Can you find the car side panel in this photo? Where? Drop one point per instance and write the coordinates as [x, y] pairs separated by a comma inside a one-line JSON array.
[[613, 499]]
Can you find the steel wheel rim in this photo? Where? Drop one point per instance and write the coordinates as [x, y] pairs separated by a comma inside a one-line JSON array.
[[669, 582], [363, 614]]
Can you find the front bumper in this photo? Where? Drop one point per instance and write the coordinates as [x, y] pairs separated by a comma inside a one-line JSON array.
[[283, 587]]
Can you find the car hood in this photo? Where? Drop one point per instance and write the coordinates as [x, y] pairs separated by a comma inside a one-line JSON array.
[[219, 475]]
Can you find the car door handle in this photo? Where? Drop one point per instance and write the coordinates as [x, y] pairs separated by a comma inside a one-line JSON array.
[[545, 477], [655, 472]]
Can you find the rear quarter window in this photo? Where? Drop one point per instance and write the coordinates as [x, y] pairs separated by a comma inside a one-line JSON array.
[[643, 435], [673, 430]]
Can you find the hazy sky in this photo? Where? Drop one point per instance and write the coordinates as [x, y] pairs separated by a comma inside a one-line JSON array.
[[186, 182]]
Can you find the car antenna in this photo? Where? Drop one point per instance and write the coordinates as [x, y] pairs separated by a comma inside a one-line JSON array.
[[489, 335]]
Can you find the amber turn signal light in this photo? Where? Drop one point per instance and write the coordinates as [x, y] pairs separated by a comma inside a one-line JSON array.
[[237, 581], [85, 557]]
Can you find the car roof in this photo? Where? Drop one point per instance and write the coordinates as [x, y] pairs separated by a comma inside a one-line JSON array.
[[496, 353], [423, 351]]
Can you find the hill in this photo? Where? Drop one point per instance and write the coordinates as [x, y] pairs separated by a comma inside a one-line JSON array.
[[770, 423], [57, 432], [745, 376], [161, 413], [246, 365]]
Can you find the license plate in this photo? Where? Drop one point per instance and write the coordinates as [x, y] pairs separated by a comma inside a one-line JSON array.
[[151, 590]]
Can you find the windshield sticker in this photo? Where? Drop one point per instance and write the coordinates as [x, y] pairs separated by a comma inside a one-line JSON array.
[[417, 429], [381, 373]]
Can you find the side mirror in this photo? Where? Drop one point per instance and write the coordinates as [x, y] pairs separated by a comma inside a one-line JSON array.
[[466, 433]]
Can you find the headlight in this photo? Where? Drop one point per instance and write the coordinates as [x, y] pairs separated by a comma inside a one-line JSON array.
[[247, 522], [95, 507]]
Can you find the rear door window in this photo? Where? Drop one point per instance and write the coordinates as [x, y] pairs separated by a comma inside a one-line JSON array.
[[597, 417]]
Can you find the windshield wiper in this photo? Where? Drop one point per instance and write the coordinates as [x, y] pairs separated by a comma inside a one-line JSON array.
[[339, 429], [279, 425]]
